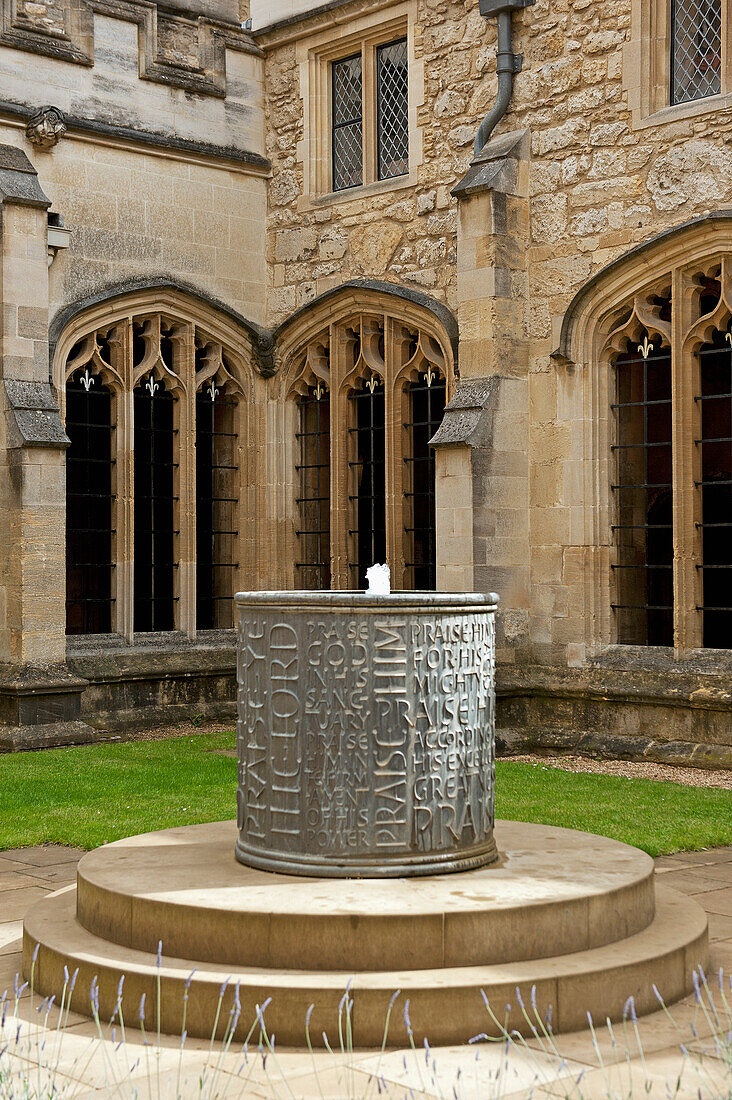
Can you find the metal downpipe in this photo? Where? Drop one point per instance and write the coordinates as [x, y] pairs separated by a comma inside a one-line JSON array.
[[505, 67]]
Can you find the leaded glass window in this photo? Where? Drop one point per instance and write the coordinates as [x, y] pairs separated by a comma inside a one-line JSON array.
[[392, 121], [696, 53], [347, 123]]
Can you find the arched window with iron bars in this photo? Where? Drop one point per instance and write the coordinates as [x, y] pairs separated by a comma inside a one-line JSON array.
[[370, 393], [153, 409], [426, 399], [672, 484], [313, 501]]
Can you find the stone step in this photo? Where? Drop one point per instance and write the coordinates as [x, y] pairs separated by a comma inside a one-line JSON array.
[[556, 891], [445, 1004]]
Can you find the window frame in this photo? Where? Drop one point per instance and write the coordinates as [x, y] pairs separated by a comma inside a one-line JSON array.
[[370, 112], [647, 68], [366, 344], [672, 57], [185, 376], [334, 126], [315, 55], [684, 334]]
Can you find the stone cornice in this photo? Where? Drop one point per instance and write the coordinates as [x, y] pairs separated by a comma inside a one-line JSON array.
[[150, 140], [326, 15]]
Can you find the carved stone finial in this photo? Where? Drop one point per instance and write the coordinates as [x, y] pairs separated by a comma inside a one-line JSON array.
[[46, 127]]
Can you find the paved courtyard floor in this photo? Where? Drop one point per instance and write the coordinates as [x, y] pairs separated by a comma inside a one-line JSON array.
[[625, 1062]]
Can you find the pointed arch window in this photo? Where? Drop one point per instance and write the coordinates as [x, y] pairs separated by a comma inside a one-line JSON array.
[[153, 408], [383, 383], [671, 350]]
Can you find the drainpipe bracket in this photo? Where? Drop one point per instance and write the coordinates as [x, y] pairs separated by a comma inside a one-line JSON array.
[[489, 8], [509, 62]]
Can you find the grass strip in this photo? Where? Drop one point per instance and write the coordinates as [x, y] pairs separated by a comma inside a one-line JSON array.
[[89, 795]]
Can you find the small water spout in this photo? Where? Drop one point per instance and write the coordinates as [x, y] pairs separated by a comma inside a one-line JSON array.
[[378, 578]]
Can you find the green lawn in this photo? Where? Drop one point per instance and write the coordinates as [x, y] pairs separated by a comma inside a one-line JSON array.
[[90, 794]]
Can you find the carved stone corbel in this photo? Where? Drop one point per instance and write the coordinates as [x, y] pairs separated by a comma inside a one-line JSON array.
[[45, 127]]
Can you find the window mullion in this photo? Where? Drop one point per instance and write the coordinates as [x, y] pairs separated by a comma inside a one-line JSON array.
[[393, 458], [340, 510], [684, 467], [123, 520], [368, 112], [185, 409]]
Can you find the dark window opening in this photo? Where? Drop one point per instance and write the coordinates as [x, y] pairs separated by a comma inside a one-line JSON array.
[[89, 500], [155, 506], [715, 444], [216, 508], [392, 109], [368, 478], [347, 143], [313, 568], [696, 52], [426, 408], [643, 527]]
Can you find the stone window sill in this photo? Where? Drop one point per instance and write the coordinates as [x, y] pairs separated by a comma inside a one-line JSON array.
[[353, 194], [677, 112], [661, 658]]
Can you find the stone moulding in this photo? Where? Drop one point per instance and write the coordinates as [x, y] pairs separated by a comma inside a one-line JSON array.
[[363, 292], [19, 179], [497, 163], [465, 420], [164, 291], [150, 138], [33, 416], [600, 293]]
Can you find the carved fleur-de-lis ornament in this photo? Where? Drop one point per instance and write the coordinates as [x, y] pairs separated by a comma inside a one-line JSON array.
[[87, 379], [646, 347], [371, 383], [429, 376], [152, 386], [320, 391], [213, 391]]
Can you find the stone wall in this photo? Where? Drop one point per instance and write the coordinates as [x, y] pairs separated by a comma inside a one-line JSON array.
[[601, 179], [598, 184]]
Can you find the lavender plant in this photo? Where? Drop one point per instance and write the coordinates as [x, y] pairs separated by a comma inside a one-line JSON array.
[[43, 1056]]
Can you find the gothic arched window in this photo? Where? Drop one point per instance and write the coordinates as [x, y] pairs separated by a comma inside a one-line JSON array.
[[153, 408], [370, 390], [671, 351]]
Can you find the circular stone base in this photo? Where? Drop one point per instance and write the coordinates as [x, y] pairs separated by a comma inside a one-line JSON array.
[[570, 915], [554, 891]]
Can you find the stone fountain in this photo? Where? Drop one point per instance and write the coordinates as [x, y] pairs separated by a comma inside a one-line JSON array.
[[366, 732], [366, 770]]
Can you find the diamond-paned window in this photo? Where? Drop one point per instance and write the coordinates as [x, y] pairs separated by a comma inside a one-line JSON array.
[[696, 49], [392, 122], [347, 123]]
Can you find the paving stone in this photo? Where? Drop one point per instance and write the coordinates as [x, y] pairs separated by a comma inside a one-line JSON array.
[[43, 856], [691, 883], [11, 934], [718, 901], [14, 903], [720, 927]]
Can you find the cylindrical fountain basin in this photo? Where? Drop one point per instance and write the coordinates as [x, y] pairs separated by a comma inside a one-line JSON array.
[[365, 732]]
